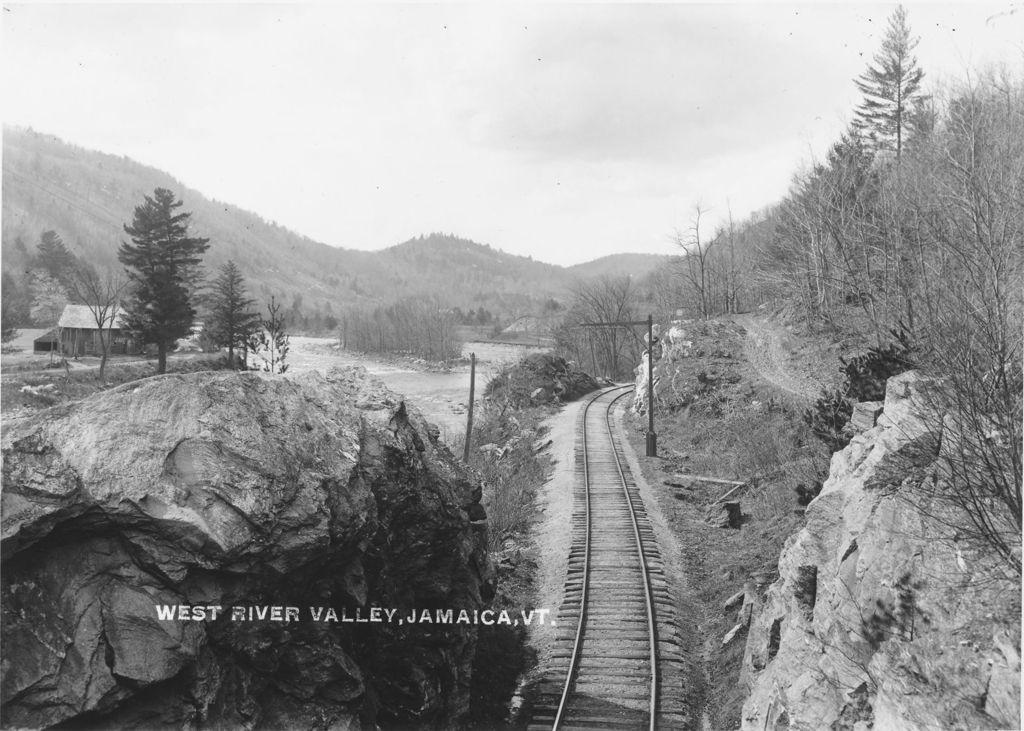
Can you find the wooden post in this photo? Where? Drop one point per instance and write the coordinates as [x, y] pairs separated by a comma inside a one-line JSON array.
[[593, 358], [652, 438], [469, 417]]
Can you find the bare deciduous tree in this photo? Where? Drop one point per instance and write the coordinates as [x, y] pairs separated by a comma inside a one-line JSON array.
[[695, 260], [420, 326], [607, 351], [101, 293]]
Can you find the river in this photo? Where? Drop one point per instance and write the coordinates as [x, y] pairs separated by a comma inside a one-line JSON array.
[[441, 396]]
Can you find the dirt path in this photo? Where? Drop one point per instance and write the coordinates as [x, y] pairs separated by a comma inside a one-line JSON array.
[[769, 349], [551, 533]]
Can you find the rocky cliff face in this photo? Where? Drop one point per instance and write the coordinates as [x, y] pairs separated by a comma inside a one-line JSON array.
[[882, 617], [682, 343], [235, 490]]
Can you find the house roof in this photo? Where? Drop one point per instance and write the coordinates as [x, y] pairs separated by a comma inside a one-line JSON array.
[[80, 316]]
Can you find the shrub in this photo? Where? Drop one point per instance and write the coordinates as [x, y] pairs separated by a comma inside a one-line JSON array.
[[866, 374], [804, 494], [864, 380], [509, 467], [828, 417]]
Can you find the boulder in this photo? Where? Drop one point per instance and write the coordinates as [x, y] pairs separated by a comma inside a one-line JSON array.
[[235, 490], [864, 416]]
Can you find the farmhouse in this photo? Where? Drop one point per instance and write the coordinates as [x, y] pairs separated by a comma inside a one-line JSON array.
[[79, 334]]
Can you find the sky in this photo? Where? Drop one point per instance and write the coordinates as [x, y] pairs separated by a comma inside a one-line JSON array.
[[560, 131]]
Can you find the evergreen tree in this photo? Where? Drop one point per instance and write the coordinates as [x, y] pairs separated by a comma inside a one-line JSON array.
[[11, 309], [891, 88], [162, 264], [270, 341], [231, 321], [55, 258]]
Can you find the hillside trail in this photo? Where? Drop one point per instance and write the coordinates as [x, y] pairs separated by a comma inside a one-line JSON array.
[[769, 348]]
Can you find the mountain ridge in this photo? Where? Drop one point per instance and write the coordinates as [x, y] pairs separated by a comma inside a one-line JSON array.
[[87, 196]]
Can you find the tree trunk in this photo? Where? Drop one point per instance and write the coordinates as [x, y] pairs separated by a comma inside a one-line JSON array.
[[104, 348], [161, 358]]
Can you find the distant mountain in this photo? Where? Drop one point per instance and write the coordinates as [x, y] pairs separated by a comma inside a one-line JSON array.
[[87, 196], [475, 274], [613, 265]]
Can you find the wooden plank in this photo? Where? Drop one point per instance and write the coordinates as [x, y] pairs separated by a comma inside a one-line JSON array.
[[730, 492], [706, 478]]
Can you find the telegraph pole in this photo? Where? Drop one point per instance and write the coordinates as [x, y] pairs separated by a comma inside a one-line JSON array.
[[469, 417], [652, 438]]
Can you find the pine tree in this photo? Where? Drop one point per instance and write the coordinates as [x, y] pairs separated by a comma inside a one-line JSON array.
[[11, 308], [54, 257], [891, 88], [162, 265], [270, 341], [232, 320]]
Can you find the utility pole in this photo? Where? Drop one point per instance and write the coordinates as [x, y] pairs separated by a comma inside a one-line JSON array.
[[469, 418], [652, 437]]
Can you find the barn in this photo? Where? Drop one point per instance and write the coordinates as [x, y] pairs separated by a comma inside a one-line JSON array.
[[79, 334]]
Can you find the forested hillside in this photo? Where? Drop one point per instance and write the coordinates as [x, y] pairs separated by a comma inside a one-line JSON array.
[[468, 275], [86, 197], [913, 220], [617, 264], [908, 239]]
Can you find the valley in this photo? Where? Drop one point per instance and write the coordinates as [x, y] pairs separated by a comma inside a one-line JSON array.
[[768, 478]]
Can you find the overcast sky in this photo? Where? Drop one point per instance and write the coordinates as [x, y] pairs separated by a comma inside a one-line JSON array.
[[561, 131]]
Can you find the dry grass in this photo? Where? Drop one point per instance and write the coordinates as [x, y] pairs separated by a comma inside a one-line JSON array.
[[771, 450], [765, 443], [505, 457]]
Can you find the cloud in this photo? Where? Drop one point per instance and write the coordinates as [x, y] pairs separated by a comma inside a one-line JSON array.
[[654, 83]]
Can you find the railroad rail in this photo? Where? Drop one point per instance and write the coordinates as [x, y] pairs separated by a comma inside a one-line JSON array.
[[617, 662]]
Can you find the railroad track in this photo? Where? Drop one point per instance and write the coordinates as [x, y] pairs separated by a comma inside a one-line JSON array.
[[617, 662]]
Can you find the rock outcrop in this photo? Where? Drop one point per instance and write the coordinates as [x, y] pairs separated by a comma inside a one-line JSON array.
[[675, 352], [539, 378], [882, 616], [236, 490]]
